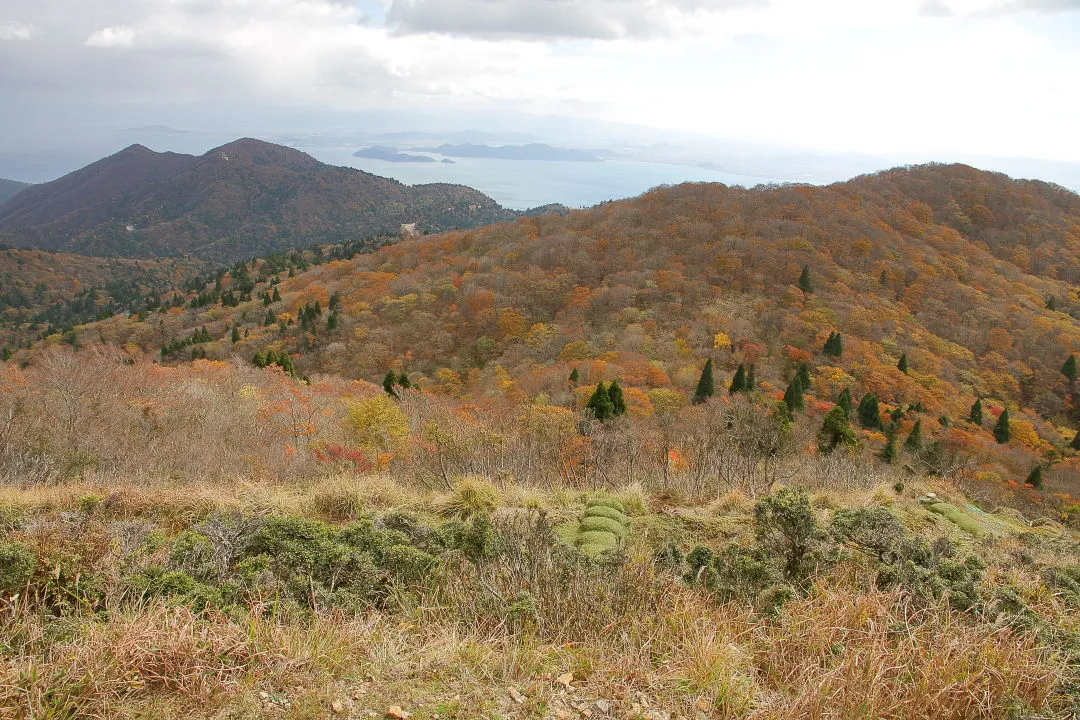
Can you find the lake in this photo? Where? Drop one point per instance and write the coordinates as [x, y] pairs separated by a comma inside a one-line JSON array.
[[523, 184]]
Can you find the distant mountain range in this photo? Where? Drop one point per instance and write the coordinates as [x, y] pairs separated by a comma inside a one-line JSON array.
[[532, 151], [11, 188], [242, 199]]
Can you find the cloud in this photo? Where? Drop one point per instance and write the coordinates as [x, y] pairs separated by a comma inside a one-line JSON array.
[[11, 30], [995, 8], [552, 19], [112, 37]]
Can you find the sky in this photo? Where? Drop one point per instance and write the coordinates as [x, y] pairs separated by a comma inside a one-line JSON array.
[[930, 78]]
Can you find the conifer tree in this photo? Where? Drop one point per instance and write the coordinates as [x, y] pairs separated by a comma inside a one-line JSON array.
[[388, 383], [844, 401], [574, 377], [271, 318], [277, 296], [1075, 444], [834, 346], [804, 280], [902, 365], [738, 383], [804, 375], [870, 413], [1002, 432], [793, 396], [235, 334], [403, 381], [976, 416], [600, 403], [1035, 478], [883, 278], [888, 453], [1069, 368], [835, 431], [618, 400], [705, 387], [914, 438], [6, 354], [751, 380]]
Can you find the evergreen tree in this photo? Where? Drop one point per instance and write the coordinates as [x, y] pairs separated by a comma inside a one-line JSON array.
[[5, 355], [844, 401], [574, 377], [888, 453], [976, 416], [403, 381], [388, 383], [705, 387], [902, 365], [803, 372], [1051, 303], [1069, 368], [1075, 444], [835, 431], [793, 396], [883, 278], [834, 346], [600, 403], [276, 296], [738, 383], [271, 318], [618, 400], [1001, 429], [235, 334], [332, 321], [751, 380], [804, 280], [1035, 478], [870, 412], [914, 438]]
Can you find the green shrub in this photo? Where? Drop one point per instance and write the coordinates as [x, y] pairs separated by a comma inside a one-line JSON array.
[[605, 512], [17, 563], [786, 527], [607, 502], [596, 542], [616, 528]]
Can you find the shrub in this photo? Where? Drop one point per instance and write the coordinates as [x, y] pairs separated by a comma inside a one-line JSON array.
[[470, 496], [786, 526], [17, 563]]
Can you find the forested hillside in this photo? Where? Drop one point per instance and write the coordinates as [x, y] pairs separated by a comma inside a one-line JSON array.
[[242, 199], [711, 452]]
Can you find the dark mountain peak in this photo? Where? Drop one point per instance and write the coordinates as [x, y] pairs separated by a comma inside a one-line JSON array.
[[260, 152], [135, 149]]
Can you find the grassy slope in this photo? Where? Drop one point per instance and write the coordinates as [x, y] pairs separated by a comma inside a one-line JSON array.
[[844, 650]]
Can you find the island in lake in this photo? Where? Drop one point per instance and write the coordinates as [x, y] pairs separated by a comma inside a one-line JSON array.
[[391, 155]]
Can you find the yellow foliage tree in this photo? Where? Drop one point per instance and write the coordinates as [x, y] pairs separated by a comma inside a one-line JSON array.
[[378, 424]]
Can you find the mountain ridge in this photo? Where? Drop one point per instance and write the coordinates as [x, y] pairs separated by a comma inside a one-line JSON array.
[[241, 199]]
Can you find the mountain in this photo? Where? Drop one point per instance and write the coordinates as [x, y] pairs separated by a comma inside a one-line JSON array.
[[532, 151], [244, 198], [969, 276], [11, 188]]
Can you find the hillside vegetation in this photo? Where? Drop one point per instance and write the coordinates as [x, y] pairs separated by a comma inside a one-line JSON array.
[[708, 453], [242, 199]]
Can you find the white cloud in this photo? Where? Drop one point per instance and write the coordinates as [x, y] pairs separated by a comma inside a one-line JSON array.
[[13, 30], [112, 37]]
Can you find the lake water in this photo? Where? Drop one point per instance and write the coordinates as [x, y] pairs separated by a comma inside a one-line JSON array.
[[519, 184]]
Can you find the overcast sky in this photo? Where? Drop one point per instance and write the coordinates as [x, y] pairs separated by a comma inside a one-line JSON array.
[[992, 77]]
